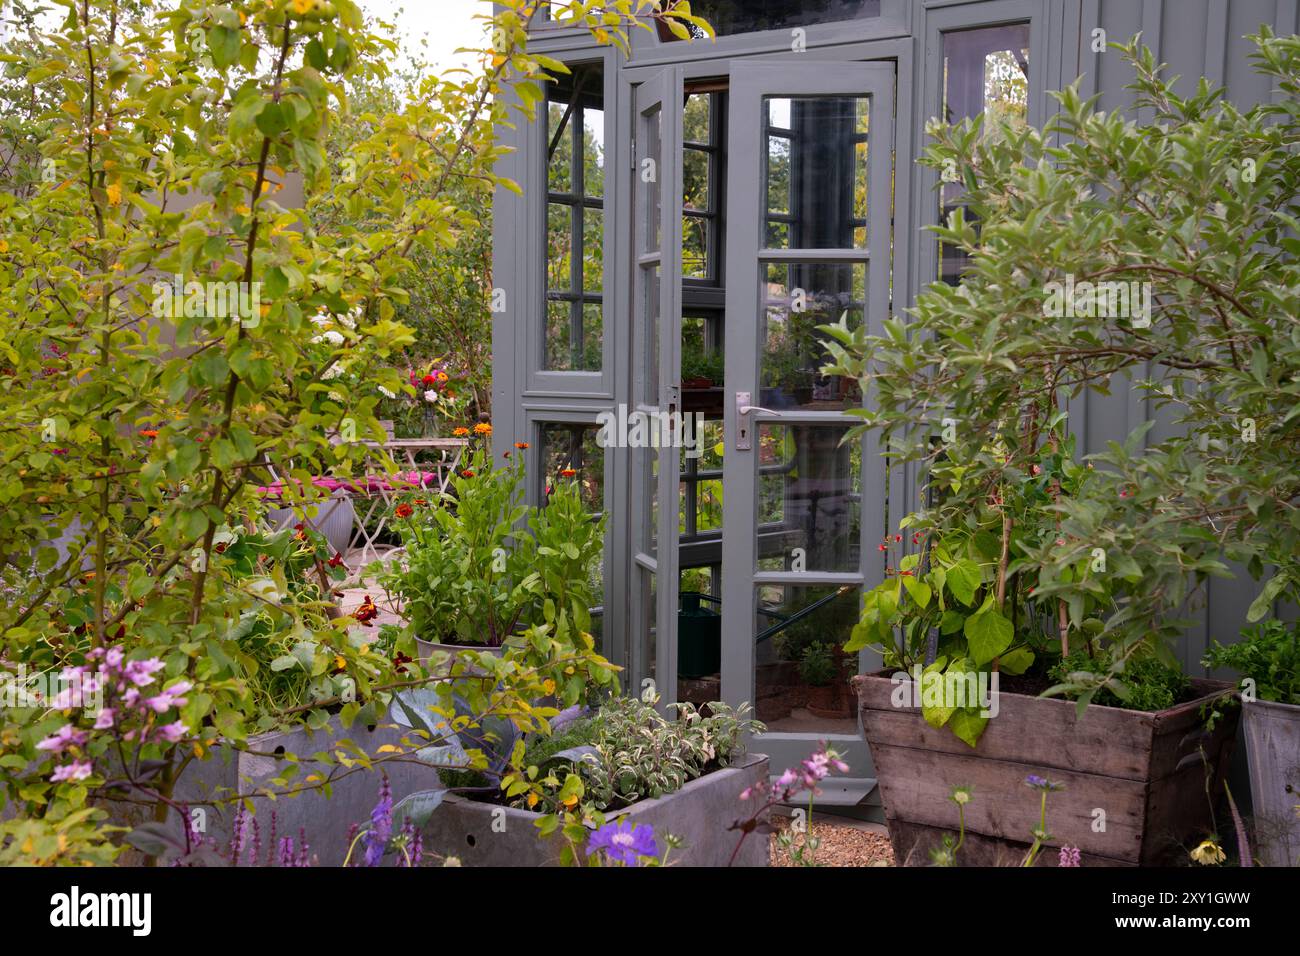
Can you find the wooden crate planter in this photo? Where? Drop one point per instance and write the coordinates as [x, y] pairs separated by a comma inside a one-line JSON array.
[[1272, 734], [1142, 769], [487, 834]]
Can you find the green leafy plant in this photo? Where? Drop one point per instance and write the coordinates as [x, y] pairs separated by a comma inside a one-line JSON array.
[[1269, 655], [480, 565], [818, 667], [1100, 248]]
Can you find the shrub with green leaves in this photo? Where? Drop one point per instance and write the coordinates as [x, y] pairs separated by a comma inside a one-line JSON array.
[[1102, 250]]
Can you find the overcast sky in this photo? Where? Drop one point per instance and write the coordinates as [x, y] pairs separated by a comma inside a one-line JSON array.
[[444, 25]]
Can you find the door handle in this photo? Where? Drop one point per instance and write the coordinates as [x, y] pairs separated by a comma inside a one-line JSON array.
[[744, 427]]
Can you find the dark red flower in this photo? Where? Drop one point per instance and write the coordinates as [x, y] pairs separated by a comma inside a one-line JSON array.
[[336, 560], [404, 510], [367, 612]]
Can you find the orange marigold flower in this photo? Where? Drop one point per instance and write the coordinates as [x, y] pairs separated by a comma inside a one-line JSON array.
[[482, 428], [460, 432], [467, 473], [567, 472], [404, 510], [148, 433], [521, 444]]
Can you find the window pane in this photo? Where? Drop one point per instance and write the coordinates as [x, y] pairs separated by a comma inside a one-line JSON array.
[[796, 298], [810, 498], [593, 327], [593, 249], [695, 179], [559, 246], [567, 447], [593, 152], [984, 71], [801, 674], [559, 169], [559, 325], [650, 333], [817, 173], [696, 118], [695, 247]]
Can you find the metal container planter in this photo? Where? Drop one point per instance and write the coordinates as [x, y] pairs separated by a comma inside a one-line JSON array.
[[1272, 732], [487, 834], [324, 819], [1135, 781]]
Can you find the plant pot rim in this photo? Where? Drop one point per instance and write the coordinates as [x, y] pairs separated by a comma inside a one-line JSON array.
[[746, 760], [1205, 689], [1274, 705]]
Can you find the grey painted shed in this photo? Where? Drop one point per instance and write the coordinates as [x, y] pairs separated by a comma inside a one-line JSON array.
[[688, 214]]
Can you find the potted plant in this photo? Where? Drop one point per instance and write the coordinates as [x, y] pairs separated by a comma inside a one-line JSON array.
[[480, 565], [1268, 657], [1024, 557], [624, 763]]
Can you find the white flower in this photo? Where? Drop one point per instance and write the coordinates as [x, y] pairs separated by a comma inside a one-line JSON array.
[[431, 396], [334, 337], [321, 319], [386, 393], [334, 371]]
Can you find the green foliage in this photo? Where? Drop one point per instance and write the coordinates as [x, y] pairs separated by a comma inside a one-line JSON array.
[[484, 564], [154, 148], [1140, 683], [1269, 655], [1196, 205], [817, 667]]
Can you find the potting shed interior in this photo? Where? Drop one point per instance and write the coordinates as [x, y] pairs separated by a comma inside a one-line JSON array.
[[689, 214]]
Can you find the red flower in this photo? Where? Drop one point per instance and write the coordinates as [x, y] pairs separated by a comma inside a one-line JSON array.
[[367, 612], [521, 444], [898, 537], [336, 560], [404, 510], [882, 547], [400, 661], [421, 501], [567, 472], [467, 473], [429, 380]]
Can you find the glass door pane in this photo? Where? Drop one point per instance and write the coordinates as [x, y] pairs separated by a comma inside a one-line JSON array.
[[656, 324], [811, 149]]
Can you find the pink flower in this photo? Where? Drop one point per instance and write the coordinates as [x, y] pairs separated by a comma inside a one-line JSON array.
[[141, 672], [172, 732], [104, 720], [114, 657], [77, 770], [1069, 856], [171, 697], [65, 736]]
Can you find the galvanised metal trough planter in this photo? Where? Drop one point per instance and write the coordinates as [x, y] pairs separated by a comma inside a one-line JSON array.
[[324, 819], [1272, 732], [487, 834]]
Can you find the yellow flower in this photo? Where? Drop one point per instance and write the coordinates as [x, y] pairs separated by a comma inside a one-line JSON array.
[[4, 246], [482, 428], [460, 432], [532, 799], [571, 801], [302, 6], [114, 191], [549, 686], [1209, 853]]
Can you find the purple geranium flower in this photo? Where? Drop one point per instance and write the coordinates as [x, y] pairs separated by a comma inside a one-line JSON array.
[[1070, 856], [624, 842], [1042, 783]]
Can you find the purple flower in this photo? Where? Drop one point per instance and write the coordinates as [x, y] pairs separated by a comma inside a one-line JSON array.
[[624, 842], [104, 720], [66, 736], [1069, 856], [171, 697], [381, 825], [141, 672], [1042, 783], [173, 732], [77, 770]]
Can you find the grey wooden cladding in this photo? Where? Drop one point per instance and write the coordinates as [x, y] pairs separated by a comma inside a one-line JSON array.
[[1144, 770], [1273, 747]]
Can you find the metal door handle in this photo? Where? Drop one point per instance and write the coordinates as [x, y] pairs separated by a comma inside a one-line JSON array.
[[744, 427]]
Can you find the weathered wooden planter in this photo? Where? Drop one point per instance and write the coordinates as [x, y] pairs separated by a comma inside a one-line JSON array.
[[1273, 750], [486, 834], [1135, 781]]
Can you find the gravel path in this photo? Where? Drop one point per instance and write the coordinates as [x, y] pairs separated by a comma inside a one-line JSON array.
[[844, 843]]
